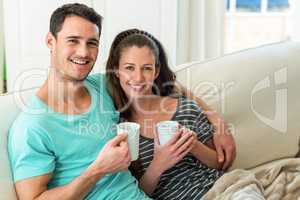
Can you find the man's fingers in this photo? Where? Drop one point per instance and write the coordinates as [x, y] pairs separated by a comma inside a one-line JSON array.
[[227, 161], [128, 157], [124, 147], [229, 158], [220, 154], [118, 139]]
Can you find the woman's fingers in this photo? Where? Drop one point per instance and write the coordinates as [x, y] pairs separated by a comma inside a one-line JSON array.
[[156, 140], [183, 154], [185, 135], [174, 138], [187, 144]]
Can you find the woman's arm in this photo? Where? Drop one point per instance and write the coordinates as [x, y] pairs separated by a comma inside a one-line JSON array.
[[165, 156], [206, 155], [150, 179]]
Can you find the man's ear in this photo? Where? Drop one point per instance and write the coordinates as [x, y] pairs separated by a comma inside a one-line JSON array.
[[50, 40]]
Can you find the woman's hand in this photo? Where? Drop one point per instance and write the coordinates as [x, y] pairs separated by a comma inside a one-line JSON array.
[[167, 155]]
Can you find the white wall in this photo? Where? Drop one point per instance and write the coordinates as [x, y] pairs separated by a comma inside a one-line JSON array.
[[200, 30], [26, 25], [27, 22], [156, 16], [1, 47], [294, 27]]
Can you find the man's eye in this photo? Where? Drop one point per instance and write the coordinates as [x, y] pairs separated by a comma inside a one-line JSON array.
[[93, 44], [72, 41]]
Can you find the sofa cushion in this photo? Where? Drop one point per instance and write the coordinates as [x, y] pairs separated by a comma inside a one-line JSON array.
[[10, 106], [257, 91]]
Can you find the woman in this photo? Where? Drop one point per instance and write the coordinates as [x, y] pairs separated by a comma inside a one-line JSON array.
[[144, 90]]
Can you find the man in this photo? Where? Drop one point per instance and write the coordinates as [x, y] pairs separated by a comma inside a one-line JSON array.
[[71, 151], [60, 154]]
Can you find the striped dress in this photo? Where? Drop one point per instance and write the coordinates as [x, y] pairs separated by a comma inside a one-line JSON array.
[[189, 179]]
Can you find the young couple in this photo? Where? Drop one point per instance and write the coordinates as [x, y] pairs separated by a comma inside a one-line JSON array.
[[59, 154]]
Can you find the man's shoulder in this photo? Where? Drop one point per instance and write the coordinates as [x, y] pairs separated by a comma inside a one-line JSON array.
[[33, 116], [29, 121], [97, 79], [98, 84]]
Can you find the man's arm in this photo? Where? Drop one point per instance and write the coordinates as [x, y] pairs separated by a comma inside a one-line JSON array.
[[113, 157], [222, 138], [36, 188]]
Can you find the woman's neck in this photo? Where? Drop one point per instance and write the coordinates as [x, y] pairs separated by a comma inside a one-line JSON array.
[[145, 105]]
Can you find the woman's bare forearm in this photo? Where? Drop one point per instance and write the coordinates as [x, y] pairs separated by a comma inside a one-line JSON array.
[[150, 179], [206, 155]]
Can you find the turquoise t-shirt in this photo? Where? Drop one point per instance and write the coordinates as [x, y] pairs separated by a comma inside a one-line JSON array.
[[43, 141]]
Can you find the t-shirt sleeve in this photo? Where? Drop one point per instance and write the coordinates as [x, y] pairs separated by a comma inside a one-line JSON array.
[[203, 127], [30, 151], [98, 81]]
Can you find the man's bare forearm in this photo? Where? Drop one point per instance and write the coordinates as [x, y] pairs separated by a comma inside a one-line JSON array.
[[75, 190]]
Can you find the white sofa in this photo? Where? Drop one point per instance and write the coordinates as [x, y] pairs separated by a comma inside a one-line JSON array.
[[261, 114]]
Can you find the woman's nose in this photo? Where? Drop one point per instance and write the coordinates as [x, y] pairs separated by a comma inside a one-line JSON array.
[[138, 75]]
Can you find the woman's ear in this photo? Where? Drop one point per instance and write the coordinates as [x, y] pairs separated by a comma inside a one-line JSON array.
[[157, 71], [117, 72]]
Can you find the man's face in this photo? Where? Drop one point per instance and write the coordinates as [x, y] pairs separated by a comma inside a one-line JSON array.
[[74, 51]]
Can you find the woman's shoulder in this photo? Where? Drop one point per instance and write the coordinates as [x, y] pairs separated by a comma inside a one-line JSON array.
[[186, 103], [169, 102]]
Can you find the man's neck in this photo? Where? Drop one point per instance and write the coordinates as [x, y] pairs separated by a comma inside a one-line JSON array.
[[65, 96]]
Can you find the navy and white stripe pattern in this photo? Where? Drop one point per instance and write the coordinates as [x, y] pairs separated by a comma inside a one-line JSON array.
[[189, 179]]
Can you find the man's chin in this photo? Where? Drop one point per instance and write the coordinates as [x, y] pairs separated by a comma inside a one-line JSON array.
[[78, 78]]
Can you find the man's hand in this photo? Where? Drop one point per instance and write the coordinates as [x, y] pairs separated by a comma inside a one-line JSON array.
[[223, 142], [113, 157]]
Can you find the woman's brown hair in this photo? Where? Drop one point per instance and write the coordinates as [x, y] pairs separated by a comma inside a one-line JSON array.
[[164, 84]]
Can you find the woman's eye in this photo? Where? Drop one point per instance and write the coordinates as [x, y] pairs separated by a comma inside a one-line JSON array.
[[131, 68], [148, 68]]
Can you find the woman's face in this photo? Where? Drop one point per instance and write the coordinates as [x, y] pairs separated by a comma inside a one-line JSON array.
[[137, 71]]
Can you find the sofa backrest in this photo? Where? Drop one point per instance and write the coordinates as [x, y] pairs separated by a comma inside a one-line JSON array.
[[227, 84], [10, 106], [257, 91]]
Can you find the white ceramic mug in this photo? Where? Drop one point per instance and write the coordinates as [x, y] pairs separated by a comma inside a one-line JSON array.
[[133, 136], [165, 130]]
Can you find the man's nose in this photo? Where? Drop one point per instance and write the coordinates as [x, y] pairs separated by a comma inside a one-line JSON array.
[[82, 50]]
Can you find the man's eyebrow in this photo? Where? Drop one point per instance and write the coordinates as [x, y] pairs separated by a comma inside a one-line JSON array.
[[73, 37], [94, 40], [78, 37]]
